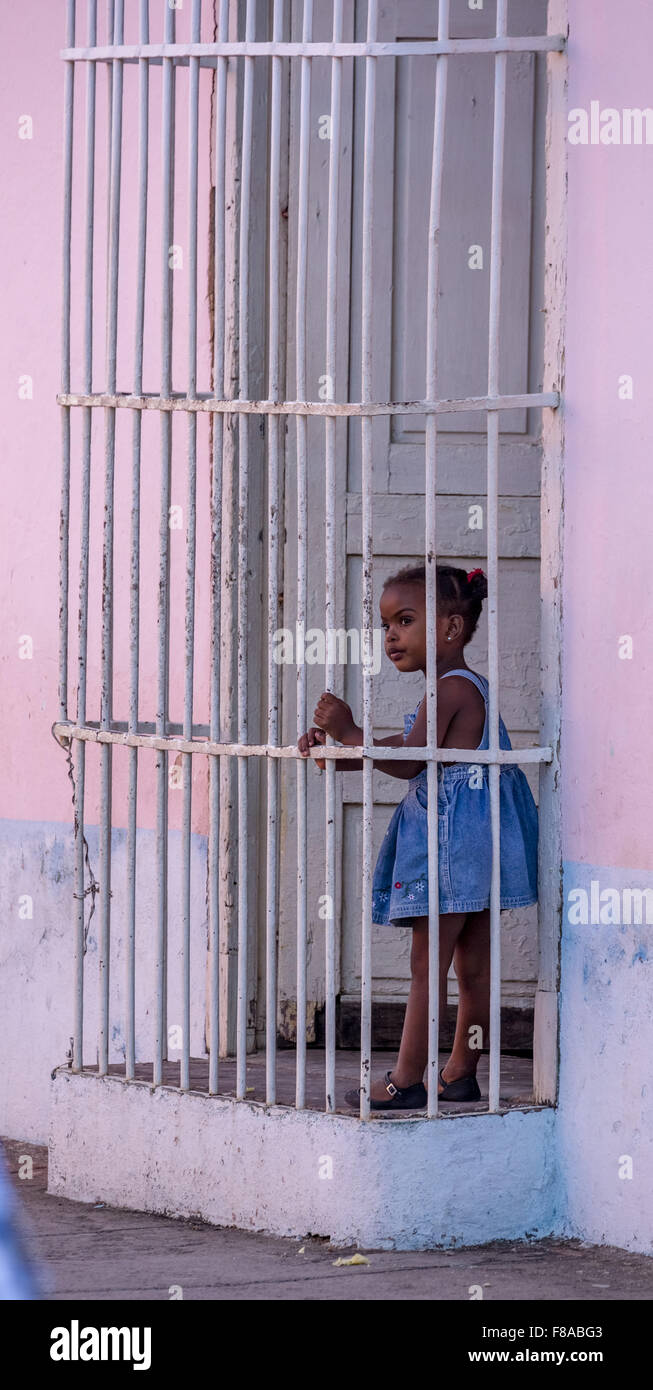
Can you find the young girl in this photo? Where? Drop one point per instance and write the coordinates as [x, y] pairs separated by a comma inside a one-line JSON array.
[[400, 885]]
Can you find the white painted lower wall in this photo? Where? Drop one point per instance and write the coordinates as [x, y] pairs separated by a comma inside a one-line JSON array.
[[605, 1112], [36, 959], [402, 1184], [582, 1169]]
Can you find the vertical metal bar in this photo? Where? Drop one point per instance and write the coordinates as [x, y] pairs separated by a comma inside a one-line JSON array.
[[302, 523], [273, 426], [64, 529], [109, 72], [430, 489], [87, 417], [134, 568], [87, 414], [106, 699], [171, 191], [243, 502], [64, 517], [498, 145], [218, 426], [187, 758], [330, 551], [367, 548], [160, 1046]]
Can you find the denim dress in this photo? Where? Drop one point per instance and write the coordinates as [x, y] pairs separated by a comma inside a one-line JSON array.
[[400, 882]]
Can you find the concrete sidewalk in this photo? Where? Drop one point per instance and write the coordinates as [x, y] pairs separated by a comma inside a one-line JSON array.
[[97, 1253]]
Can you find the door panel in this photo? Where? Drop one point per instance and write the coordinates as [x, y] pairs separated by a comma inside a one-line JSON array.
[[405, 108], [401, 175]]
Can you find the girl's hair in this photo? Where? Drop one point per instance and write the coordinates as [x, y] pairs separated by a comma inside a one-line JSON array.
[[454, 592]]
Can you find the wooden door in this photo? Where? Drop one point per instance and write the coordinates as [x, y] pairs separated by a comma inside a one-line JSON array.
[[404, 131]]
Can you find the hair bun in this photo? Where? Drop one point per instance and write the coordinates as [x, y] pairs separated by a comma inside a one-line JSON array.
[[477, 584]]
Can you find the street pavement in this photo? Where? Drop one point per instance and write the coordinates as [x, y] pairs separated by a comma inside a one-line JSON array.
[[85, 1252]]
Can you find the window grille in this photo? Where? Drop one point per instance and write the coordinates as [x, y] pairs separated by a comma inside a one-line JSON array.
[[227, 402]]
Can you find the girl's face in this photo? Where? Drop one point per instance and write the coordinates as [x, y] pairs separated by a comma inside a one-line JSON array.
[[403, 620]]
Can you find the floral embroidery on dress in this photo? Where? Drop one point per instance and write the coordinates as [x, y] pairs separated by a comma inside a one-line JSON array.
[[419, 884]]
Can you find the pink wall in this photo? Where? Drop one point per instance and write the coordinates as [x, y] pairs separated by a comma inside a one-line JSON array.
[[608, 579], [608, 586], [605, 1108], [35, 785]]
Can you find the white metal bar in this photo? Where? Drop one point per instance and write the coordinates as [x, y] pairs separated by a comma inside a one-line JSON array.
[[64, 557], [134, 560], [330, 553], [498, 148], [64, 516], [274, 504], [367, 551], [160, 1046], [88, 374], [302, 526], [106, 698], [187, 766], [109, 77], [243, 557], [170, 742], [84, 543], [172, 402], [430, 490], [216, 559], [520, 43]]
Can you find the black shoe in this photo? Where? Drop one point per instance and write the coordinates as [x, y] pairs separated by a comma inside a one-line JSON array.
[[463, 1088], [401, 1098]]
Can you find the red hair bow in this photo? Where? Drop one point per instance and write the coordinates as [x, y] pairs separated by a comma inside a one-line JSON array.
[[472, 573]]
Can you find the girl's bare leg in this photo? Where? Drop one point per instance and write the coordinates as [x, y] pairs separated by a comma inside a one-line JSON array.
[[413, 1050], [471, 959]]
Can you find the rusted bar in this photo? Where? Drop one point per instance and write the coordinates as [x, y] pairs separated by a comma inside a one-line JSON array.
[[163, 607], [174, 401], [243, 558], [106, 693], [191, 530], [302, 526], [430, 498], [92, 734], [216, 559], [209, 52], [134, 561], [330, 552], [64, 526], [274, 503], [498, 150], [367, 549]]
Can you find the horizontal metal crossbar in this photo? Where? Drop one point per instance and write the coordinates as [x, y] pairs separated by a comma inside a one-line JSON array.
[[208, 53], [208, 747], [213, 405]]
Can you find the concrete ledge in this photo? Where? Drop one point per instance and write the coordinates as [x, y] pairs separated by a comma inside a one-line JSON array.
[[399, 1184]]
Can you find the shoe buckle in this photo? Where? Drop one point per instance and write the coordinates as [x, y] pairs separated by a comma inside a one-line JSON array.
[[391, 1088]]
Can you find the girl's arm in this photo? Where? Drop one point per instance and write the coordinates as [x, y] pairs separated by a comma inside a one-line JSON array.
[[351, 735], [356, 764], [448, 705]]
